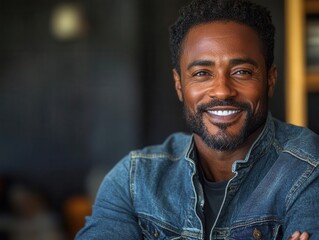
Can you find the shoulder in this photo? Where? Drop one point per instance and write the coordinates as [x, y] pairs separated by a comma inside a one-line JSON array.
[[160, 164], [300, 142], [175, 147], [155, 157]]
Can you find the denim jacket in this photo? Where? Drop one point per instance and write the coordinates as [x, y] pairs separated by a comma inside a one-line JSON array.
[[155, 193]]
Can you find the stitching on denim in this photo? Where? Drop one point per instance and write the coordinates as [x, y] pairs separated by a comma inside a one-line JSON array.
[[154, 156], [277, 146], [169, 227], [194, 178], [254, 158], [138, 154], [145, 233], [131, 181], [254, 221], [300, 181], [307, 158], [158, 155], [266, 136]]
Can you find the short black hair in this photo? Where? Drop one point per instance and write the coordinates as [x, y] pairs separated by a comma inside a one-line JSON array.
[[205, 11]]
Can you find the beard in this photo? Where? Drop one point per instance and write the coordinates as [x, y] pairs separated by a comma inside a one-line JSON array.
[[224, 140]]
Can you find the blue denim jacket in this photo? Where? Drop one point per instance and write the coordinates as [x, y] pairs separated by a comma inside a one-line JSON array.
[[155, 193]]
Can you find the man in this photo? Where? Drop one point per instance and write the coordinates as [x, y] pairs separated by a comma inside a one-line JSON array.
[[242, 174]]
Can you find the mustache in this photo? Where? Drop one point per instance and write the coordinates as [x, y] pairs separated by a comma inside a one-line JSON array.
[[218, 103]]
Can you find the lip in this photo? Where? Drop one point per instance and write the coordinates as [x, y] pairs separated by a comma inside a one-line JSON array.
[[225, 114]]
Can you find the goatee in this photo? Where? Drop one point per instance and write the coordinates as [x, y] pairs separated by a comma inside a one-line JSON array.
[[224, 140]]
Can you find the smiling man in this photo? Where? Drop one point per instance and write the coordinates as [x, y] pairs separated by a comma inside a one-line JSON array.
[[223, 80], [241, 174]]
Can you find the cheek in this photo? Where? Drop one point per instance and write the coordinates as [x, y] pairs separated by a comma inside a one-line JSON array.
[[259, 101], [193, 95], [256, 95]]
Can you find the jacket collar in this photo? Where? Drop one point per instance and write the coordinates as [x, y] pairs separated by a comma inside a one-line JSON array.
[[260, 146]]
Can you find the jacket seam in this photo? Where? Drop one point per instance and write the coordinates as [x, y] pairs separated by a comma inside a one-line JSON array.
[[164, 155], [255, 221], [297, 155], [277, 146], [304, 158], [300, 181], [131, 180], [158, 156], [169, 227]]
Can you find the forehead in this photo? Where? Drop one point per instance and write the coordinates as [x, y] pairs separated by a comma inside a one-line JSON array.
[[220, 39]]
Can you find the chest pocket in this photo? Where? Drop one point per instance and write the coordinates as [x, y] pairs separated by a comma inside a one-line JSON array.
[[257, 231], [157, 231]]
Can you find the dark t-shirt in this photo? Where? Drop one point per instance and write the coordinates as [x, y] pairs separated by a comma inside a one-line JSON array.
[[214, 194]]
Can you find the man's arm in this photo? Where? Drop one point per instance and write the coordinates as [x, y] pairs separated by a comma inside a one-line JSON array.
[[303, 209], [113, 214]]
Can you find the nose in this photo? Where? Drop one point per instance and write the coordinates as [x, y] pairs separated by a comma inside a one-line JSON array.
[[222, 88]]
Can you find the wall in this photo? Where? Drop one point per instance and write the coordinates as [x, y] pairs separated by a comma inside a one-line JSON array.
[[67, 106]]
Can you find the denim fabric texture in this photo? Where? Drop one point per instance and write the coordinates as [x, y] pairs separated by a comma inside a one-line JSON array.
[[155, 193]]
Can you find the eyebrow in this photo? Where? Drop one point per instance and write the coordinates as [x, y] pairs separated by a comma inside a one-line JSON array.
[[238, 61], [235, 61], [205, 63]]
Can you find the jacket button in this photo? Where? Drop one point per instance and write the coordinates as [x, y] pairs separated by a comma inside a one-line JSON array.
[[257, 234], [156, 233]]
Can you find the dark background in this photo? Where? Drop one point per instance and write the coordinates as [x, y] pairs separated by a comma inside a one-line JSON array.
[[69, 110], [67, 106]]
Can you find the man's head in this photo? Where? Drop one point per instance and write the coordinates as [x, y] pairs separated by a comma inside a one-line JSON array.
[[204, 11], [223, 70]]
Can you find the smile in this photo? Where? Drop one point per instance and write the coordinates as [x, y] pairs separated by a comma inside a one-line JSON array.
[[223, 113]]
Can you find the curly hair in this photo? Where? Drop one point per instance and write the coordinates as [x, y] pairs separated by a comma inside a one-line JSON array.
[[205, 11]]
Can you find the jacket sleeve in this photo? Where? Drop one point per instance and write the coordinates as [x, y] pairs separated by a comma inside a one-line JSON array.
[[113, 212], [303, 210]]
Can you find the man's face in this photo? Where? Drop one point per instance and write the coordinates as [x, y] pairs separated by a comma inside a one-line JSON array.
[[223, 83]]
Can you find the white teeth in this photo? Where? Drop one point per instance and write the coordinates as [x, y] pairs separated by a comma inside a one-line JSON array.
[[224, 112]]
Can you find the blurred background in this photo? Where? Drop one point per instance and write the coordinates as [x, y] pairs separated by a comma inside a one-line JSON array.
[[83, 82]]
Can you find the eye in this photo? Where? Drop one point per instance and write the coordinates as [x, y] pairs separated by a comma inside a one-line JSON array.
[[242, 72], [201, 74]]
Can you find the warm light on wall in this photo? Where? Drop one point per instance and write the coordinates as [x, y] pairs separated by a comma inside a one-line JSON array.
[[68, 22], [296, 111]]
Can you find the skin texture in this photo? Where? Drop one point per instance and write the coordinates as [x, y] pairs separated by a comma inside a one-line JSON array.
[[224, 61], [222, 68], [299, 236]]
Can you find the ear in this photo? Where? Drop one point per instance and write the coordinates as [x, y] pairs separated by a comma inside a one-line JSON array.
[[178, 84], [272, 78]]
